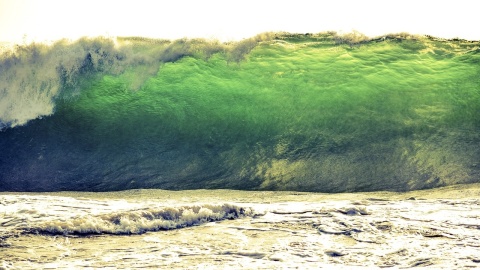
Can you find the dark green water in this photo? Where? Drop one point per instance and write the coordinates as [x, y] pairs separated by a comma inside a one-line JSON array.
[[278, 113]]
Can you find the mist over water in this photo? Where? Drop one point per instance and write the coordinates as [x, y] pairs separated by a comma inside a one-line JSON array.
[[278, 111]]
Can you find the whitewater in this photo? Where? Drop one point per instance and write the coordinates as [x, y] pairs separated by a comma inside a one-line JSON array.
[[206, 229]]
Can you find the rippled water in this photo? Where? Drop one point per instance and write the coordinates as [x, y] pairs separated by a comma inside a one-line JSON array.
[[291, 112]]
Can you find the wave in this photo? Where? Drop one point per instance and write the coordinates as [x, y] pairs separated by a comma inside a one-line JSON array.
[[35, 76], [279, 111], [140, 221]]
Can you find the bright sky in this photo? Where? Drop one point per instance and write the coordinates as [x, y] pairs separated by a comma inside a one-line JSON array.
[[47, 20]]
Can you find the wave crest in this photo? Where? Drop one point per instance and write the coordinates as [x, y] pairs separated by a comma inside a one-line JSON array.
[[34, 76], [141, 221]]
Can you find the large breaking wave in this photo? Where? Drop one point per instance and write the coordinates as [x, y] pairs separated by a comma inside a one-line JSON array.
[[278, 111]]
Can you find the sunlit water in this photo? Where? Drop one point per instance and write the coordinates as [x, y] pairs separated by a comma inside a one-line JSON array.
[[274, 112], [226, 229]]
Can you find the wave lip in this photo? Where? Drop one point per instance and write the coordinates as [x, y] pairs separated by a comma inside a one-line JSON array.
[[141, 221]]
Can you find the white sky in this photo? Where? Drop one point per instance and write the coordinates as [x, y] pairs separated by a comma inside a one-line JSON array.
[[46, 20]]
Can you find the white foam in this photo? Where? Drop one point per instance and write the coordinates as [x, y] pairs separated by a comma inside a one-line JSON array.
[[66, 216], [32, 76], [141, 221]]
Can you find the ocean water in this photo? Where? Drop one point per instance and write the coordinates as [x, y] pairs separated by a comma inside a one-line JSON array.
[[225, 229], [135, 153], [274, 112]]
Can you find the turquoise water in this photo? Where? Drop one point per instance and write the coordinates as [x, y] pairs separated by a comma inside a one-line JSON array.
[[275, 112]]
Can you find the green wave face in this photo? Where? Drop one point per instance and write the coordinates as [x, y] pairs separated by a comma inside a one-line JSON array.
[[297, 113]]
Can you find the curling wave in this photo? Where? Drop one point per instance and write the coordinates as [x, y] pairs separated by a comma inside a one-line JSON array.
[[279, 111]]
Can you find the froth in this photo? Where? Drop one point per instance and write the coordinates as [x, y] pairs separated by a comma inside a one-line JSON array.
[[33, 76], [141, 221]]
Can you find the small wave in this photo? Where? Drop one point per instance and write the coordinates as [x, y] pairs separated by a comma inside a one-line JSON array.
[[141, 221]]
